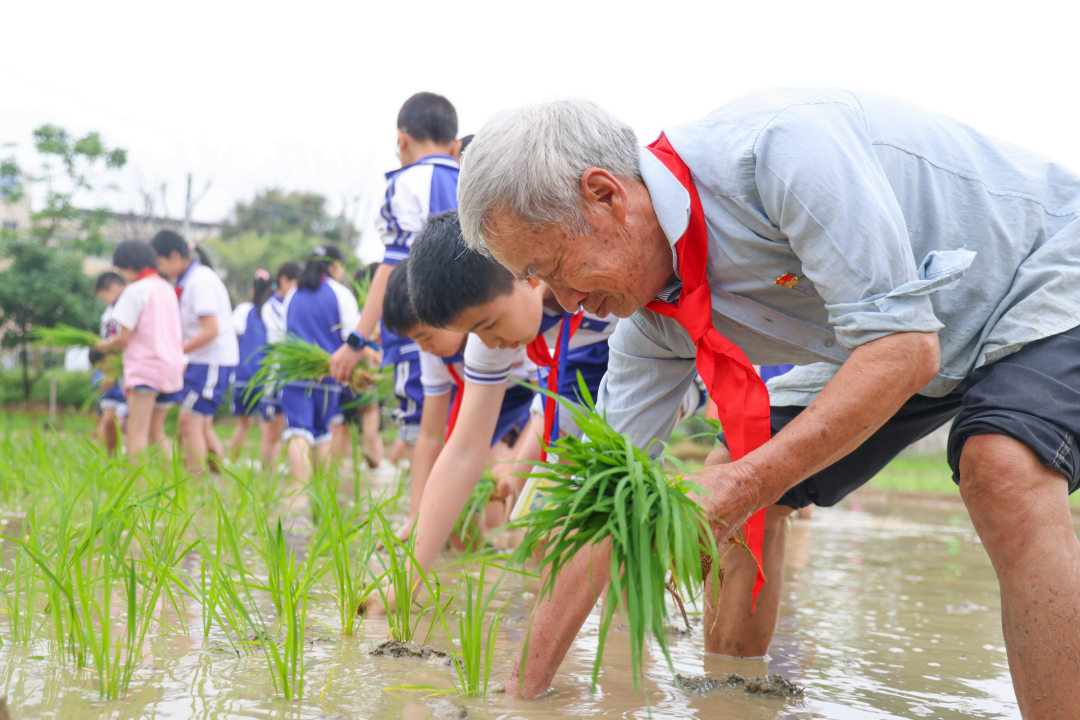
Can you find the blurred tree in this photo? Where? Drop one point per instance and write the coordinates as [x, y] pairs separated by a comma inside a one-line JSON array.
[[41, 287], [82, 161], [275, 212]]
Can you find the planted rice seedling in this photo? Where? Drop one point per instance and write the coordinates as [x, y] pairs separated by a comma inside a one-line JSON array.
[[605, 490], [477, 648]]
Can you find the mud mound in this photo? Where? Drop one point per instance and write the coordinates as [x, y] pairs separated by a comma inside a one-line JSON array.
[[770, 686], [399, 649]]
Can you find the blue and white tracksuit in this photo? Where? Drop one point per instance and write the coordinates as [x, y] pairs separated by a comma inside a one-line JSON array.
[[247, 398], [324, 317], [414, 193], [113, 398]]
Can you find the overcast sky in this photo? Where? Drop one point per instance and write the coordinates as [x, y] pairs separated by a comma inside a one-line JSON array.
[[305, 95]]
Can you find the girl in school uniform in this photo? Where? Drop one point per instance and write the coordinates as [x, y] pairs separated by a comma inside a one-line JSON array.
[[148, 316], [209, 344], [322, 312], [249, 400]]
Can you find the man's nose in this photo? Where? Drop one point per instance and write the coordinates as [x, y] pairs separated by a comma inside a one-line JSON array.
[[568, 297]]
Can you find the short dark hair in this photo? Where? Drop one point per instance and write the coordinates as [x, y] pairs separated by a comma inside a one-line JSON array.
[[320, 260], [446, 278], [397, 311], [427, 116], [134, 255], [291, 270], [107, 280], [167, 242]]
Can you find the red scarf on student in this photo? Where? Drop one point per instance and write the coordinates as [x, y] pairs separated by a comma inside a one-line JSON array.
[[455, 407], [146, 272], [734, 385], [538, 352]]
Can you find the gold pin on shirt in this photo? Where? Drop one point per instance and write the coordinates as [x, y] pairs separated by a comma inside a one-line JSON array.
[[787, 280]]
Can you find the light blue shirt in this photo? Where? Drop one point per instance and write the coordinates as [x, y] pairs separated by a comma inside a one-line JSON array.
[[893, 219]]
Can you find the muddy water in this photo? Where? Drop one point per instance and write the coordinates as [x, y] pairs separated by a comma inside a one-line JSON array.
[[888, 613]]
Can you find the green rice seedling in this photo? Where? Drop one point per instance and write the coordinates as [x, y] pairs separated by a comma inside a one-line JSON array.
[[349, 541], [477, 649], [66, 336], [469, 525], [295, 360], [406, 576], [20, 588], [606, 490]]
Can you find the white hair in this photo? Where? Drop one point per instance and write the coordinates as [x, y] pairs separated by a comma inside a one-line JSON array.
[[530, 162]]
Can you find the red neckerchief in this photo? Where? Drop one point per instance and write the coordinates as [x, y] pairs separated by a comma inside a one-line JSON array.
[[734, 385], [538, 352], [146, 272], [455, 407], [183, 277]]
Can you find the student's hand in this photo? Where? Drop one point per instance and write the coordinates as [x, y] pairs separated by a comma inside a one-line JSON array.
[[96, 356], [345, 359]]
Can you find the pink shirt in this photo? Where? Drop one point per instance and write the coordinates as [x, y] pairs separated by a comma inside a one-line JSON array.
[[155, 354]]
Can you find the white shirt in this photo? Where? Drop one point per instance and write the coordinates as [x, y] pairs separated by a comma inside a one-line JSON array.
[[273, 317], [487, 366], [204, 294], [239, 317]]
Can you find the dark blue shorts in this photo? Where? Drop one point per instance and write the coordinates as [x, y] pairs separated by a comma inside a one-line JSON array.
[[1032, 396], [309, 409], [247, 400], [164, 400], [204, 388], [514, 413]]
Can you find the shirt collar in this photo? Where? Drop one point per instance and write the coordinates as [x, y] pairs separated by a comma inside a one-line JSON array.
[[444, 160], [671, 203], [182, 280]]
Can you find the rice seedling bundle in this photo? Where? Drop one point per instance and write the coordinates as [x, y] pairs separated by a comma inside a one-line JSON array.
[[607, 490], [66, 336], [295, 360]]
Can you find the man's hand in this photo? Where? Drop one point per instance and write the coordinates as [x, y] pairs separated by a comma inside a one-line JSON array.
[[345, 359], [731, 497]]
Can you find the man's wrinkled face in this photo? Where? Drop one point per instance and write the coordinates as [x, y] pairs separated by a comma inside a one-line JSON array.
[[600, 271], [437, 341], [508, 321]]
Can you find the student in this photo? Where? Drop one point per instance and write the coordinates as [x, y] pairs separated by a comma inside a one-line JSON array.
[[322, 312], [209, 344], [148, 314], [365, 410], [273, 311], [442, 376], [425, 185], [454, 289], [249, 400], [111, 403]]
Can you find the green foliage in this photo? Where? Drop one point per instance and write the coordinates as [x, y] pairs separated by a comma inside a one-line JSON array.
[[273, 212], [605, 490], [82, 161], [297, 360], [241, 255], [43, 287], [477, 650]]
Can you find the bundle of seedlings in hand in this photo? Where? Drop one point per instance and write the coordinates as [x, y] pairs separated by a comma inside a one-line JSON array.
[[606, 491], [295, 361], [66, 336]]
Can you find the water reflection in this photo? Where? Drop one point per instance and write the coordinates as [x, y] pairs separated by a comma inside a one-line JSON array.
[[887, 613]]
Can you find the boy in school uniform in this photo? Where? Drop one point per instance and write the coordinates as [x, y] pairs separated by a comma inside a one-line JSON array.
[[442, 376], [112, 405], [508, 323], [210, 345], [425, 185]]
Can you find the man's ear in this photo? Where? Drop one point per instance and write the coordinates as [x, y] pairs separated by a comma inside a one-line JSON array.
[[604, 189]]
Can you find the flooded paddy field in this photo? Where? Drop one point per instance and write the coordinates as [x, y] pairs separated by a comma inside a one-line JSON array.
[[889, 612]]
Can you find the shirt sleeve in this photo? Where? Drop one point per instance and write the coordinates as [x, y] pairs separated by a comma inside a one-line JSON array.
[[646, 381], [405, 211], [821, 184], [487, 366], [240, 317], [204, 294], [129, 306], [434, 376]]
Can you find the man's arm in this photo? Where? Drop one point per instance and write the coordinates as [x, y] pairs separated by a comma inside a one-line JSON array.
[[867, 390], [345, 359]]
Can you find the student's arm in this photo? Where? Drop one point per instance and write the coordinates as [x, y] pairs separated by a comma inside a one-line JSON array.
[[458, 469], [428, 445], [116, 343], [205, 336], [345, 358]]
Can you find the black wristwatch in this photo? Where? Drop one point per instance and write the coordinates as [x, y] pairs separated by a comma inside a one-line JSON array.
[[358, 342]]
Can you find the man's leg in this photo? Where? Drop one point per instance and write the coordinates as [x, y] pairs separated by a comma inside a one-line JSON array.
[[1020, 509]]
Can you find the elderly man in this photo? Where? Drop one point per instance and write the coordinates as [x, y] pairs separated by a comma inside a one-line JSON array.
[[913, 268]]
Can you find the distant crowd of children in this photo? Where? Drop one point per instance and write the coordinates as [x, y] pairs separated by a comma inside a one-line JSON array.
[[466, 343]]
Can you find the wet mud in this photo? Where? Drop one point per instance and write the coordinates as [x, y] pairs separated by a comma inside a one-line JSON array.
[[399, 649], [768, 686]]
